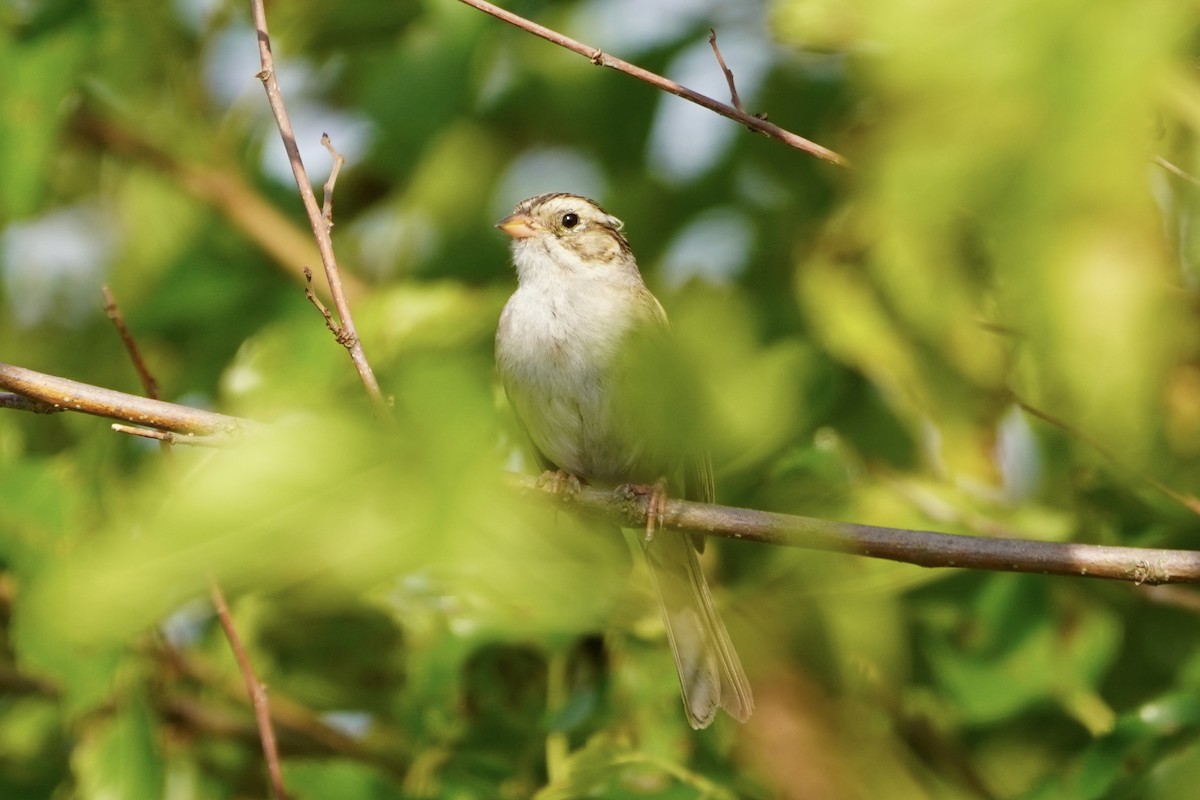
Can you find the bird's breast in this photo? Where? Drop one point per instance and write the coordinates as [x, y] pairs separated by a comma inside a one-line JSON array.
[[553, 355]]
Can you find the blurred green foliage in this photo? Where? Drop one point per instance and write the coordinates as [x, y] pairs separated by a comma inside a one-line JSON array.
[[865, 338]]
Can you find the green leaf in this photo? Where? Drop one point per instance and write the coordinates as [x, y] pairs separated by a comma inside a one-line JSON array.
[[1019, 655], [336, 779], [118, 754], [39, 75]]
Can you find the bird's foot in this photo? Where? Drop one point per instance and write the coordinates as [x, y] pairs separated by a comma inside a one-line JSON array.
[[561, 482], [656, 503]]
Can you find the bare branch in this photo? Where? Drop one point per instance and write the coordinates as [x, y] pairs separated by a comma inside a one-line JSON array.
[[62, 394], [923, 548], [258, 692], [349, 334], [602, 59]]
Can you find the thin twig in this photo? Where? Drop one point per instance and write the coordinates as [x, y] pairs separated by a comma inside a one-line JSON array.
[[304, 729], [62, 394], [149, 384], [602, 59], [330, 322], [258, 692], [923, 548], [733, 94], [349, 334], [167, 437], [338, 161], [1177, 171], [135, 354], [1190, 502]]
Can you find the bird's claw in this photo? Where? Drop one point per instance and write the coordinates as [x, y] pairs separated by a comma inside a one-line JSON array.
[[656, 504], [560, 482]]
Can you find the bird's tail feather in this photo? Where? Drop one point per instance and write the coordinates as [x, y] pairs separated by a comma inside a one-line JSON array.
[[710, 672]]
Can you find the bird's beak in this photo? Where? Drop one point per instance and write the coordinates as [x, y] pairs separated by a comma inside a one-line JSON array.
[[518, 226]]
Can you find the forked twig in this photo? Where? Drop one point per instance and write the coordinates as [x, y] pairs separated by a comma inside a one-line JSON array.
[[733, 93], [348, 335], [602, 59], [339, 332]]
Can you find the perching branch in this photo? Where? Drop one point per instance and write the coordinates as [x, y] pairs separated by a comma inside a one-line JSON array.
[[602, 59], [347, 333], [925, 548]]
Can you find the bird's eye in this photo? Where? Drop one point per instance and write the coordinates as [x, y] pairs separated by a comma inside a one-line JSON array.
[[570, 220]]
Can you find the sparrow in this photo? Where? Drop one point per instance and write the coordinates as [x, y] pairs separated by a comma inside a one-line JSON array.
[[583, 352]]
